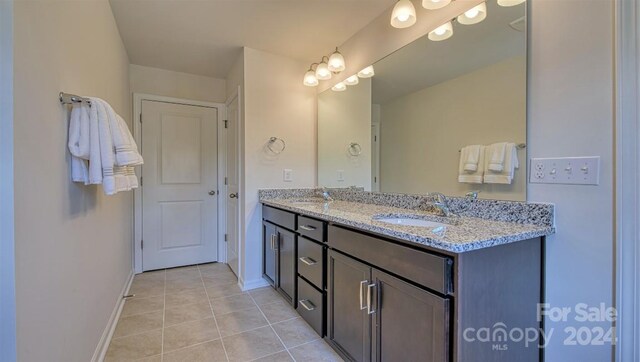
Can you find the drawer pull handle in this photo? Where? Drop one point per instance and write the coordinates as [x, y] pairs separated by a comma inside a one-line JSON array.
[[307, 227], [370, 288], [307, 260], [362, 284], [307, 305], [273, 241]]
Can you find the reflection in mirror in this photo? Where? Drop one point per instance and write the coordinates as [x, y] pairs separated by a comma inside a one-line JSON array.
[[426, 102]]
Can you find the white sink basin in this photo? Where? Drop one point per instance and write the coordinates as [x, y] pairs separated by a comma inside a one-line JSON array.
[[410, 222]]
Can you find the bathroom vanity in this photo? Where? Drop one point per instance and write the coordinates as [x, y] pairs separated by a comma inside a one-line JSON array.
[[382, 290]]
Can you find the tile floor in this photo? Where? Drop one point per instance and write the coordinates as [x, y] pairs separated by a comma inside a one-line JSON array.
[[198, 313]]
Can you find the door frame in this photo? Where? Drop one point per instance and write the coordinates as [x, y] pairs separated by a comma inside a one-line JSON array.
[[223, 166], [138, 98]]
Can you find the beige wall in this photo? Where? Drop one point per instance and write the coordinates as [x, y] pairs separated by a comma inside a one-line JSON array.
[[168, 83], [343, 118], [276, 104], [422, 132], [73, 244]]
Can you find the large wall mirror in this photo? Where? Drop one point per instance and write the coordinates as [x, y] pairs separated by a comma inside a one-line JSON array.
[[403, 130]]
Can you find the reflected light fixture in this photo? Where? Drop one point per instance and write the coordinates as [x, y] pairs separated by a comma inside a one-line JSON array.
[[474, 15], [444, 31], [435, 4], [322, 70], [403, 15], [339, 87], [507, 3], [366, 72], [310, 79], [336, 62], [352, 80]]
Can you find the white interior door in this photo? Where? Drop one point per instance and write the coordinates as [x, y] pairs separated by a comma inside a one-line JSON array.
[[179, 175], [232, 179]]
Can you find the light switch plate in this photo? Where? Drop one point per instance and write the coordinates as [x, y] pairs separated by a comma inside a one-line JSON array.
[[565, 170], [287, 175], [340, 175]]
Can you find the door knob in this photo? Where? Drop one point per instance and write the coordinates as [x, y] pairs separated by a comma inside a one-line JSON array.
[[233, 196], [212, 192]]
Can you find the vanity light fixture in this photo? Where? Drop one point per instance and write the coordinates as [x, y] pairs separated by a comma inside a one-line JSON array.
[[352, 80], [366, 72], [310, 79], [336, 62], [339, 87], [443, 32], [435, 4], [403, 14], [507, 3], [474, 15], [322, 70]]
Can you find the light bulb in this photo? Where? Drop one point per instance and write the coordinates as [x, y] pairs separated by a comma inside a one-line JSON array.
[[339, 87], [403, 15], [474, 15], [444, 31], [510, 2], [323, 72], [336, 62], [310, 79], [366, 72], [435, 4], [352, 80]]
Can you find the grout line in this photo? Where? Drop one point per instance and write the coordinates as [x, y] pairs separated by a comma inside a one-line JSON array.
[[215, 320], [274, 331]]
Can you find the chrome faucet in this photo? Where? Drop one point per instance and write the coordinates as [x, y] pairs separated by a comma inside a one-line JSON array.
[[325, 195], [441, 203], [473, 195]]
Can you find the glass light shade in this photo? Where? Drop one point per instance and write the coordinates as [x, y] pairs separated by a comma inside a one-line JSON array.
[[336, 62], [403, 15], [352, 80], [507, 3], [435, 4], [323, 72], [443, 32], [474, 15], [310, 79], [366, 72], [340, 87]]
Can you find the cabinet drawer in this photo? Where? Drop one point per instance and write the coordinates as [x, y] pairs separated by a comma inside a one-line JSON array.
[[311, 305], [311, 228], [311, 261], [430, 270], [279, 217]]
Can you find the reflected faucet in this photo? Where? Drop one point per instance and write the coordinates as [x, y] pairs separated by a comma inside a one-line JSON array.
[[325, 195], [441, 203]]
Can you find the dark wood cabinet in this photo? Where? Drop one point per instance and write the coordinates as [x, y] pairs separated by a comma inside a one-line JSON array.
[[270, 253], [286, 264]]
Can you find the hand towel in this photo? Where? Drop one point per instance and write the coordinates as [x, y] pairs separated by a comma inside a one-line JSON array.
[[510, 164], [78, 143], [95, 160], [496, 156], [470, 155], [126, 150], [473, 177]]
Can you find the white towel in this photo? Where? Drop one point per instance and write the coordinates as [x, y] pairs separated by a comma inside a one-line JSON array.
[[126, 150], [471, 176], [469, 156], [496, 157], [95, 160], [79, 142], [510, 164]]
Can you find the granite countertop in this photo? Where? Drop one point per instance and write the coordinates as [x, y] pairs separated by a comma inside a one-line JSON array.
[[460, 234]]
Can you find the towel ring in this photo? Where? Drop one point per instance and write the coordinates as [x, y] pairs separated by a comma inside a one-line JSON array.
[[273, 141], [354, 149]]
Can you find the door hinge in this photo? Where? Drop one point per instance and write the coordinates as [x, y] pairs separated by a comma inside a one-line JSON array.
[[140, 117], [226, 123], [375, 180], [140, 181], [141, 244], [226, 237], [226, 181]]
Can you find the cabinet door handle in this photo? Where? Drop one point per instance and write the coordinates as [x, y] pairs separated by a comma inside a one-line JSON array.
[[362, 284], [274, 238], [370, 288], [307, 260], [307, 305], [307, 227]]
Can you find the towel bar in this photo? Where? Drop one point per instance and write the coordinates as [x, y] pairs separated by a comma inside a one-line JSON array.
[[519, 146], [67, 98]]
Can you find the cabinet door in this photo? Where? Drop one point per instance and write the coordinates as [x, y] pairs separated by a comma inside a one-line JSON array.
[[269, 252], [349, 325], [287, 263], [409, 321]]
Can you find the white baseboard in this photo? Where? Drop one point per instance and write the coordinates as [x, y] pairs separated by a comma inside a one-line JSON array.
[[103, 345], [252, 284]]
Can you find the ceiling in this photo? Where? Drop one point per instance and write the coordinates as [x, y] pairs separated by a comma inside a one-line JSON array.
[[206, 36], [425, 63]]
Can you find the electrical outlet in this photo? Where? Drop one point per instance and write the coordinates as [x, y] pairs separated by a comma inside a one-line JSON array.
[[565, 170], [287, 175]]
